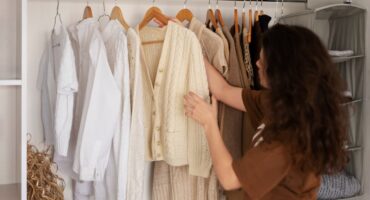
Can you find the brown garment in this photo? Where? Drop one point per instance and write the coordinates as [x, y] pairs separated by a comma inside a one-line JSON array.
[[247, 57], [226, 44], [248, 131], [230, 119], [266, 171], [239, 53], [255, 47], [175, 183]]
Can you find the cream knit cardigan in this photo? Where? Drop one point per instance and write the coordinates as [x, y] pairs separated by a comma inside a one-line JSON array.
[[170, 135]]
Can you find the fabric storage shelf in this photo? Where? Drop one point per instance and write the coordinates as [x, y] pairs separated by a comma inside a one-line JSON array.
[[340, 59], [342, 27], [354, 148]]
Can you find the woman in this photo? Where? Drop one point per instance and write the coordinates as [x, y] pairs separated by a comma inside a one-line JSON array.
[[302, 127]]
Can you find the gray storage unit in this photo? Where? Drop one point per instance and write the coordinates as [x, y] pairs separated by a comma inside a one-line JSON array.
[[342, 27]]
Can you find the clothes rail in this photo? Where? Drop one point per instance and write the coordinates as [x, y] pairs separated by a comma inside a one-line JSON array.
[[291, 1]]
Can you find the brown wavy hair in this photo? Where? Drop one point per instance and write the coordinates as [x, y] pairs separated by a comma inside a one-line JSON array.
[[304, 98]]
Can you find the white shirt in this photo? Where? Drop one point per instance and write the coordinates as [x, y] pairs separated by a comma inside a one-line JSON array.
[[115, 40], [58, 83], [100, 104]]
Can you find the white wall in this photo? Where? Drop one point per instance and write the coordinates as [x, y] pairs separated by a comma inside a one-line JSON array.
[[9, 69]]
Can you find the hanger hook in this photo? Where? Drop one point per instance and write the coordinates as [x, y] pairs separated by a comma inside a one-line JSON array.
[[256, 4], [261, 3], [216, 4], [57, 15], [185, 2], [104, 7], [58, 2], [234, 4], [243, 5], [116, 2], [87, 2], [282, 7], [209, 4]]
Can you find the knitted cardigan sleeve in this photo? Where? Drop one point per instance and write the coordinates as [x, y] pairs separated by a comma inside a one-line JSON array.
[[198, 152]]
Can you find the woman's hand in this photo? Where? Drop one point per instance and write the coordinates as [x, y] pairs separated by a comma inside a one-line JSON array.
[[200, 110]]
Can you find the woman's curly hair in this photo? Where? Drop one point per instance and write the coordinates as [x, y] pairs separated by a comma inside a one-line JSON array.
[[304, 99]]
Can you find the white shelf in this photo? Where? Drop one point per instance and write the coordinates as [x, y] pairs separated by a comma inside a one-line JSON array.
[[13, 82], [354, 148], [352, 102], [10, 192], [339, 59]]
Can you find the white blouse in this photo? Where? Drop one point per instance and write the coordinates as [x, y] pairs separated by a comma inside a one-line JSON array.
[[58, 83]]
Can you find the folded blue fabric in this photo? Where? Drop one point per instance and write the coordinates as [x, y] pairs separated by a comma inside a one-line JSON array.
[[338, 186]]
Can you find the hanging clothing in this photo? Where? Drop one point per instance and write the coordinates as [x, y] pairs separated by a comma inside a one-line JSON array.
[[115, 181], [230, 119], [212, 44], [239, 53], [258, 29], [101, 103], [57, 81], [247, 57], [173, 69], [175, 183], [264, 21], [219, 32], [139, 183], [255, 47]]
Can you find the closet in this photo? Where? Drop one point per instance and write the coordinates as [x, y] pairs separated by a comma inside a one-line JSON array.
[[26, 26], [13, 97]]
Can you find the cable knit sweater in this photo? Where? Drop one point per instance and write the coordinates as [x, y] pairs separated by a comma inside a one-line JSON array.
[[173, 68]]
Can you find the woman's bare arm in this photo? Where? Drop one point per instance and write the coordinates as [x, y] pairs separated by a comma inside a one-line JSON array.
[[222, 90]]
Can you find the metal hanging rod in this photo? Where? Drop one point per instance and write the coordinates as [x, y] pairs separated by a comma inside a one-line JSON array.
[[292, 1]]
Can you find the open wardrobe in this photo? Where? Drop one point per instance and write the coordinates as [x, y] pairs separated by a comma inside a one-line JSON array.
[[111, 99]]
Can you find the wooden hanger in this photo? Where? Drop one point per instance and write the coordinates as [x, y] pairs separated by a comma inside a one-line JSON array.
[[153, 13], [250, 20], [236, 22], [256, 13], [87, 12], [210, 16], [218, 14], [117, 14], [184, 14]]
